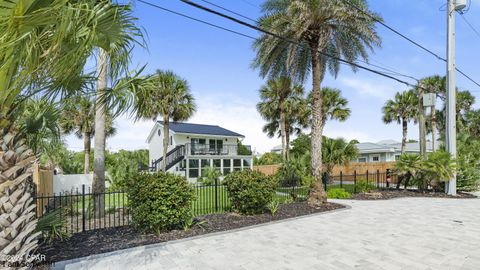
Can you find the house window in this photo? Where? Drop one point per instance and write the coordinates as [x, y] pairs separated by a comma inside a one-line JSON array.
[[246, 164], [226, 166], [397, 157], [237, 164], [376, 158], [198, 146], [205, 164], [193, 168], [362, 159]]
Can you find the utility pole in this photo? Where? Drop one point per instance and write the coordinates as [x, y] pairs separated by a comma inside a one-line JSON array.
[[451, 136]]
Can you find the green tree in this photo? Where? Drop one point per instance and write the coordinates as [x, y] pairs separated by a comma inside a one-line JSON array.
[[437, 85], [334, 106], [123, 165], [408, 166], [44, 44], [78, 117], [242, 149], [37, 122], [439, 167], [322, 27], [301, 145], [402, 109], [337, 152], [169, 96], [268, 159], [281, 105]]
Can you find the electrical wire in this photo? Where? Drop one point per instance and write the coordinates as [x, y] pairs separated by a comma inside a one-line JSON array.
[[228, 10], [408, 39], [470, 25]]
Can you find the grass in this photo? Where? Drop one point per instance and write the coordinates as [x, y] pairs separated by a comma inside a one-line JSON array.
[[205, 202]]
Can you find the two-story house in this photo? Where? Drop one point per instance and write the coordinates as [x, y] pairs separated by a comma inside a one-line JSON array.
[[193, 147]]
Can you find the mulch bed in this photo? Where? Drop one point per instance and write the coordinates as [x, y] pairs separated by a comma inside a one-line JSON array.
[[111, 239], [393, 193]]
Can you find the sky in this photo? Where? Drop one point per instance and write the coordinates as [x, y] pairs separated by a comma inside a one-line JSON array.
[[217, 65]]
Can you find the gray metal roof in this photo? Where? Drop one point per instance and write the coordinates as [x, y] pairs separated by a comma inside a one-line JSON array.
[[179, 127], [390, 146]]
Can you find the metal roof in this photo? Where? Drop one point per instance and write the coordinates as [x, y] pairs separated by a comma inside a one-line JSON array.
[[190, 128]]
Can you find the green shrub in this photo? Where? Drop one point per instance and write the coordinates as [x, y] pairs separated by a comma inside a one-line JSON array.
[[210, 176], [273, 206], [364, 186], [52, 226], [338, 193], [160, 201], [250, 191]]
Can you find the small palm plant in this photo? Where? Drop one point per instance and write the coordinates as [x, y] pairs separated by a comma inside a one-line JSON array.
[[439, 167], [408, 167], [210, 176]]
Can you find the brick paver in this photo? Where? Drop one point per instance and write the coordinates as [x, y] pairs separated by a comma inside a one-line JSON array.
[[410, 233]]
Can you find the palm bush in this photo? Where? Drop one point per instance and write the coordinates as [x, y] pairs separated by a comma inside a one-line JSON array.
[[408, 166], [210, 176], [439, 167]]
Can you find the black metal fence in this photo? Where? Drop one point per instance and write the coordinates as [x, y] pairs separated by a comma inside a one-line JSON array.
[[81, 210]]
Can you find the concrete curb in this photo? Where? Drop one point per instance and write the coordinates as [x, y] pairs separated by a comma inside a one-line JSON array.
[[63, 264]]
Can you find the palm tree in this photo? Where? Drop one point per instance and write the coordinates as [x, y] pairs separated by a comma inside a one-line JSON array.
[[118, 35], [38, 123], [408, 166], [402, 109], [337, 152], [169, 96], [281, 105], [44, 44], [439, 167], [437, 85], [323, 28], [334, 106], [78, 117]]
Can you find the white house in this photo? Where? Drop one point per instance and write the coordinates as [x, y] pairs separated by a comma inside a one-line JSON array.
[[386, 150], [194, 146]]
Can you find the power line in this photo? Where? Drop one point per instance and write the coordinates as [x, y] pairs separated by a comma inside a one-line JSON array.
[[408, 39], [228, 10], [195, 19], [390, 70], [249, 3], [292, 41], [470, 25]]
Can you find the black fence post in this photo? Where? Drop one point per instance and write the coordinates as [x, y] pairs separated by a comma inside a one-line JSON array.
[[378, 178], [216, 194], [367, 177], [341, 179], [83, 208], [355, 181]]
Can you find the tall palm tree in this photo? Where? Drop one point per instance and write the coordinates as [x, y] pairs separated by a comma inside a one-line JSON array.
[[167, 96], [44, 44], [402, 109], [118, 35], [280, 104], [437, 85], [78, 117], [324, 28], [334, 106], [38, 123]]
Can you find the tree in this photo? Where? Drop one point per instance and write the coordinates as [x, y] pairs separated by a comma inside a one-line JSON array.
[[402, 109], [337, 152], [334, 106], [116, 38], [123, 165], [242, 149], [439, 167], [44, 44], [78, 117], [280, 104], [270, 158], [320, 29], [408, 166], [301, 145], [437, 85], [37, 122], [169, 96]]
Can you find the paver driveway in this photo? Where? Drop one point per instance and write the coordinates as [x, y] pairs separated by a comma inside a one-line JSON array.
[[413, 233]]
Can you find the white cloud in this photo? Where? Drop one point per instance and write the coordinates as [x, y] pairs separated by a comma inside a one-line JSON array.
[[226, 110], [373, 89]]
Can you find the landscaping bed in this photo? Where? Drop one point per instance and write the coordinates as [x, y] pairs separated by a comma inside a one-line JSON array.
[[111, 239], [385, 194]]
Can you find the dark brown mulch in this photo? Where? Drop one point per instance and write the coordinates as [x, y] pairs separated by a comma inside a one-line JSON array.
[[106, 240], [394, 193]]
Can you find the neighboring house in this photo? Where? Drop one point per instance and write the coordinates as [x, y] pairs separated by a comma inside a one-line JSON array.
[[193, 147], [277, 149], [386, 150]]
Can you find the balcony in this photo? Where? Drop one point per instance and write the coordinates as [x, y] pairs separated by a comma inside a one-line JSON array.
[[216, 150]]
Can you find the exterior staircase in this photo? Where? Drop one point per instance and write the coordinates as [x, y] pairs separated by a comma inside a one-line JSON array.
[[174, 156]]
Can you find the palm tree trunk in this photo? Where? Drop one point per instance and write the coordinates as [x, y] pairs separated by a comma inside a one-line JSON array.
[[287, 142], [421, 123], [166, 137], [318, 195], [283, 135], [433, 127], [99, 140], [404, 134], [86, 151]]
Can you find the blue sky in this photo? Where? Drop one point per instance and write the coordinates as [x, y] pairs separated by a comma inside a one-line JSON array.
[[217, 65]]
